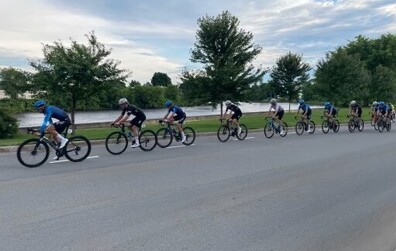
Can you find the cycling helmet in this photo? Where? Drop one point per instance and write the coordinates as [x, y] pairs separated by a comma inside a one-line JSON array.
[[123, 101], [168, 103], [273, 101], [375, 103], [327, 104], [353, 102], [381, 103], [39, 103], [228, 102], [301, 102]]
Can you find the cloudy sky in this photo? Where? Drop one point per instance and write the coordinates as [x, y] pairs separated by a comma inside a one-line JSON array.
[[150, 36]]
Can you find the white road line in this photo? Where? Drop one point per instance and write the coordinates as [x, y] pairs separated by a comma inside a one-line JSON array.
[[245, 138], [170, 147], [65, 160]]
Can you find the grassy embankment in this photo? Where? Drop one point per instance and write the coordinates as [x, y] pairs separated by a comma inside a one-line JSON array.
[[201, 125]]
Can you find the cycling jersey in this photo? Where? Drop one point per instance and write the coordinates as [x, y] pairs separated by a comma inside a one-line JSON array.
[[277, 107], [383, 109], [305, 108], [131, 109], [54, 112], [177, 110], [331, 110], [234, 109], [356, 109]]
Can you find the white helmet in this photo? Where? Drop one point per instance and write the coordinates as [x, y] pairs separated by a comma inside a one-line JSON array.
[[273, 101], [375, 103], [123, 101], [228, 102], [353, 102]]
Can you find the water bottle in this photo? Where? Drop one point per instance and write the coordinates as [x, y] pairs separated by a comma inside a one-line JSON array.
[[129, 135]]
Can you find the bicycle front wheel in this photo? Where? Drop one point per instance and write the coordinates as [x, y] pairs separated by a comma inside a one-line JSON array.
[[351, 125], [325, 126], [284, 129], [336, 125], [190, 135], [312, 127], [33, 153], [244, 132], [77, 148], [223, 133], [268, 130], [164, 137], [147, 140], [299, 128], [116, 143], [361, 125]]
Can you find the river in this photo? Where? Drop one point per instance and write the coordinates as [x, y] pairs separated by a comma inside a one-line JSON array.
[[34, 119]]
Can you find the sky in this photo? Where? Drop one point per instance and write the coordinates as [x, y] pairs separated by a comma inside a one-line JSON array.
[[149, 36]]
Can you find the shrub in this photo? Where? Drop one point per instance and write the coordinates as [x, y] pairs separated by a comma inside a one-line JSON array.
[[8, 125]]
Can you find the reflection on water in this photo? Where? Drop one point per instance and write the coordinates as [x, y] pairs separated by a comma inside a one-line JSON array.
[[35, 119]]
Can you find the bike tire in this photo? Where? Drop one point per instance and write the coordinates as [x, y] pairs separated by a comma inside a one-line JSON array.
[[388, 126], [269, 131], [351, 125], [190, 135], [244, 132], [147, 140], [284, 128], [361, 125], [336, 126], [77, 148], [380, 126], [116, 143], [164, 137], [299, 128], [223, 133], [313, 127], [325, 127], [33, 153]]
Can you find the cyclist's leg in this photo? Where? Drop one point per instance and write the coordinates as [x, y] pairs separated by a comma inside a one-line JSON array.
[[56, 129]]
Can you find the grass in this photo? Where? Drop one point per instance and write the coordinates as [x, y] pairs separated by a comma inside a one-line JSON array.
[[200, 126]]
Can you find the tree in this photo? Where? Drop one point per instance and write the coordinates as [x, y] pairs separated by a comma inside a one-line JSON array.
[[160, 79], [226, 52], [289, 75], [13, 81], [77, 73]]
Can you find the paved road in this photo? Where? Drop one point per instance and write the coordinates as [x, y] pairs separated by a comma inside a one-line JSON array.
[[309, 192]]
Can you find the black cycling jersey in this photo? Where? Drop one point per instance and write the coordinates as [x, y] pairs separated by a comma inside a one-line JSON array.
[[131, 109]]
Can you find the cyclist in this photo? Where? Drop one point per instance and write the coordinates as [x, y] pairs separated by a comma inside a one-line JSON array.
[[382, 109], [235, 113], [54, 129], [175, 113], [356, 110], [391, 112], [330, 112], [306, 113], [374, 110], [135, 123], [278, 112]]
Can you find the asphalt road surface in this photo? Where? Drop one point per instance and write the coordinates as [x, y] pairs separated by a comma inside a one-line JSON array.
[[309, 192]]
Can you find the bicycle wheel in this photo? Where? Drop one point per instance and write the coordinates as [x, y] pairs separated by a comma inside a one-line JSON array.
[[361, 125], [299, 128], [243, 133], [325, 126], [351, 125], [268, 130], [336, 125], [223, 133], [312, 127], [33, 153], [190, 135], [380, 125], [77, 148], [164, 137], [284, 129], [147, 140], [116, 143], [388, 125]]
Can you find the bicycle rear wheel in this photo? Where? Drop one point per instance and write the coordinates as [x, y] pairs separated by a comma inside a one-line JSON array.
[[147, 140], [223, 133], [33, 153], [268, 130], [190, 135], [164, 137], [116, 143], [77, 148], [299, 128], [244, 132]]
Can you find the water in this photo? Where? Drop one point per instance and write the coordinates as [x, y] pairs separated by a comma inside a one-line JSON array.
[[35, 119]]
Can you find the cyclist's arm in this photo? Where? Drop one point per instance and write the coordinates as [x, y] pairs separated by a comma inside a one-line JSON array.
[[123, 118], [47, 120], [118, 119]]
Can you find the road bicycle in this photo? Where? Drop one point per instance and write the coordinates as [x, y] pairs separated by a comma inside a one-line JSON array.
[[355, 123], [35, 152], [302, 126], [117, 142], [328, 124], [272, 127], [383, 123], [166, 134], [226, 130]]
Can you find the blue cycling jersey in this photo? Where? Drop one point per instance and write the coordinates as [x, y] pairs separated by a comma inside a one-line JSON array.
[[52, 112], [331, 109], [383, 108], [176, 110], [305, 108]]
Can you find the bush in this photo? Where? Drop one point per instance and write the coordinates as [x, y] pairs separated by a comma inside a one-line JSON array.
[[8, 125]]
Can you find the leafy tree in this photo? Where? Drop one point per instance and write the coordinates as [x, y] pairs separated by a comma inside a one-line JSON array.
[[160, 79], [134, 83], [289, 75], [148, 96], [342, 77], [193, 87], [77, 73], [383, 84], [8, 125], [172, 93], [13, 81], [226, 52]]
